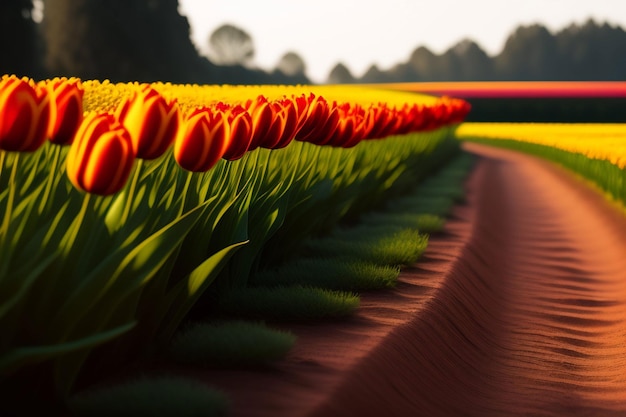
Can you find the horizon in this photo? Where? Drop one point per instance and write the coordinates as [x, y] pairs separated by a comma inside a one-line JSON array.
[[398, 29]]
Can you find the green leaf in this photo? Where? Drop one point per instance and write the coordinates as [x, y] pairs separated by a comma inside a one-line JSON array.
[[28, 355], [121, 273], [27, 279], [185, 294], [114, 213]]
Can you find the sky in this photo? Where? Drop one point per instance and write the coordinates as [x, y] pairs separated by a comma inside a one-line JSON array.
[[359, 33]]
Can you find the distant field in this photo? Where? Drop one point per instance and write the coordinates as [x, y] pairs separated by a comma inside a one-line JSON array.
[[527, 101]]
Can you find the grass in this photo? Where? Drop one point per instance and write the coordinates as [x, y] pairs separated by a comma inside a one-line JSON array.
[[287, 303], [424, 222], [158, 397], [236, 343], [331, 273], [401, 247]]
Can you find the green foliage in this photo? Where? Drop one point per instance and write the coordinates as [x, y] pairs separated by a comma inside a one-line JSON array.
[[425, 223], [401, 247], [120, 273], [335, 273], [151, 397], [230, 344], [287, 303]]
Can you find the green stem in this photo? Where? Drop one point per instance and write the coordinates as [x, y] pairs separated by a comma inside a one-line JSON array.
[[52, 175], [2, 159], [4, 231], [185, 191], [70, 237], [5, 253], [131, 192]]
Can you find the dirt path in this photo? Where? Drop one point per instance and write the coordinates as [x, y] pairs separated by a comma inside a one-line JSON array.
[[518, 309], [531, 321]]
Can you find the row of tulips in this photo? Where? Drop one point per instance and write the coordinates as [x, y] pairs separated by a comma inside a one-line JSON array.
[[118, 267], [146, 124]]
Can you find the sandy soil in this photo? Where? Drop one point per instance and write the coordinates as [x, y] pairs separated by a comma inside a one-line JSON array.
[[518, 309]]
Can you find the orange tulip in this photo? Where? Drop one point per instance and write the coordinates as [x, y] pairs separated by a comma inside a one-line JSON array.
[[286, 114], [319, 121], [66, 109], [351, 128], [24, 115], [101, 157], [263, 127], [202, 140], [151, 121], [240, 123]]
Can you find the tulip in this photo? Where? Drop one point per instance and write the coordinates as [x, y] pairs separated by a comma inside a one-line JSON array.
[[151, 121], [352, 126], [24, 115], [240, 123], [286, 114], [101, 156], [381, 120], [320, 121], [264, 128], [66, 109], [202, 140]]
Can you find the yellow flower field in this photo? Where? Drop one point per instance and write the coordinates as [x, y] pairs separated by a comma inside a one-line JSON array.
[[596, 141]]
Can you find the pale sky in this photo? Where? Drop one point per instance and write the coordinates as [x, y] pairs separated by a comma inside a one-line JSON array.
[[360, 33]]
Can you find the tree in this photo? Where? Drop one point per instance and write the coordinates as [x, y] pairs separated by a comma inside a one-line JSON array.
[[529, 54], [18, 38], [120, 40], [230, 45], [374, 75], [291, 64], [472, 62], [340, 74]]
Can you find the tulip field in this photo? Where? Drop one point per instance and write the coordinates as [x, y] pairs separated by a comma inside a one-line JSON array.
[[597, 152], [125, 206]]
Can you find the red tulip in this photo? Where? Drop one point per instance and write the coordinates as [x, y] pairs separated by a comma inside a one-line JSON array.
[[264, 128], [285, 115], [320, 122], [352, 126], [240, 123], [101, 157], [66, 109], [382, 119], [151, 121], [24, 115], [202, 140]]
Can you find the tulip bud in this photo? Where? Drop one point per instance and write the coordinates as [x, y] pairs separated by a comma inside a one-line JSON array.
[[151, 121], [317, 115], [263, 125], [285, 114], [101, 156], [202, 140], [66, 109], [24, 115], [240, 123]]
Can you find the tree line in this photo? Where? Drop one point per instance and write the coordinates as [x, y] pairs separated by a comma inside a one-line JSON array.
[[588, 52], [149, 40], [121, 40]]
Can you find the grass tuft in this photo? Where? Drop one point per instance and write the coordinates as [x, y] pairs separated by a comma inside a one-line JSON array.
[[158, 397], [401, 247], [230, 344], [425, 223], [287, 303], [331, 273]]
